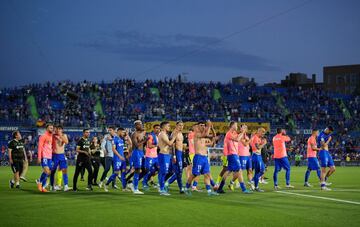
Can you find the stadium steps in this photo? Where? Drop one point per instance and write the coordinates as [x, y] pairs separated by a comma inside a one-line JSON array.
[[280, 103], [32, 107], [344, 109]]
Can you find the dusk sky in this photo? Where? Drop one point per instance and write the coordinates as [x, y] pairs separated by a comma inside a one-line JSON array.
[[103, 40]]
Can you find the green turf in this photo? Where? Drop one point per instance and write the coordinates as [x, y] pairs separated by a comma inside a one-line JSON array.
[[28, 207]]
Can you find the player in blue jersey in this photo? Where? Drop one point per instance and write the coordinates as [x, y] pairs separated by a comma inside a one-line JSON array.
[[178, 157], [119, 163], [60, 139], [201, 163], [127, 146], [165, 144], [326, 160], [137, 157], [313, 162]]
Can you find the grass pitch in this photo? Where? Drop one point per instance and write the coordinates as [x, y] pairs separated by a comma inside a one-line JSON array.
[[297, 207]]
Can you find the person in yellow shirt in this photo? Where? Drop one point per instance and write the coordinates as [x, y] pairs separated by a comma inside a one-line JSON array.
[[348, 158]]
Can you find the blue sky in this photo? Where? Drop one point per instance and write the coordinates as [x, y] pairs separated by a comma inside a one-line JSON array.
[[103, 40]]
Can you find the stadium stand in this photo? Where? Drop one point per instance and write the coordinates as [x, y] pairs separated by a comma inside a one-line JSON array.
[[88, 104]]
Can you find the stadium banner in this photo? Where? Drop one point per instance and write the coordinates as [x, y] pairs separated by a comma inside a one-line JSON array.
[[220, 127], [8, 128], [294, 132], [41, 131], [345, 163]]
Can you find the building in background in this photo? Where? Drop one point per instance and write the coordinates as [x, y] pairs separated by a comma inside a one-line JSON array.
[[342, 79], [298, 79], [241, 80]]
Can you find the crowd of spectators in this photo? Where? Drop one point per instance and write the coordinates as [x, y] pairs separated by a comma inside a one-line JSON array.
[[88, 104], [122, 101]]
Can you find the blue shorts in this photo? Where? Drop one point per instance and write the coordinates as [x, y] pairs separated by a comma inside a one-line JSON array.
[[245, 162], [164, 163], [151, 164], [179, 161], [137, 158], [131, 163], [282, 163], [118, 164], [257, 163], [59, 160], [233, 163], [313, 164], [325, 159], [200, 165], [123, 165], [46, 162]]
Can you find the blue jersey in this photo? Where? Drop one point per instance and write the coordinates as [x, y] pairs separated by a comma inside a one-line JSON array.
[[323, 137], [119, 146]]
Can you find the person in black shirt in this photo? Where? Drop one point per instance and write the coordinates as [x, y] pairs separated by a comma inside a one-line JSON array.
[[82, 173], [17, 157], [186, 157], [95, 158], [83, 159]]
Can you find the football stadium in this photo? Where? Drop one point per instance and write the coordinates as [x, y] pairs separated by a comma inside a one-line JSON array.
[[213, 121]]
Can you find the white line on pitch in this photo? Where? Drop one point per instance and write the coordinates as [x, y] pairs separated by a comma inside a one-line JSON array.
[[320, 197], [333, 190]]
